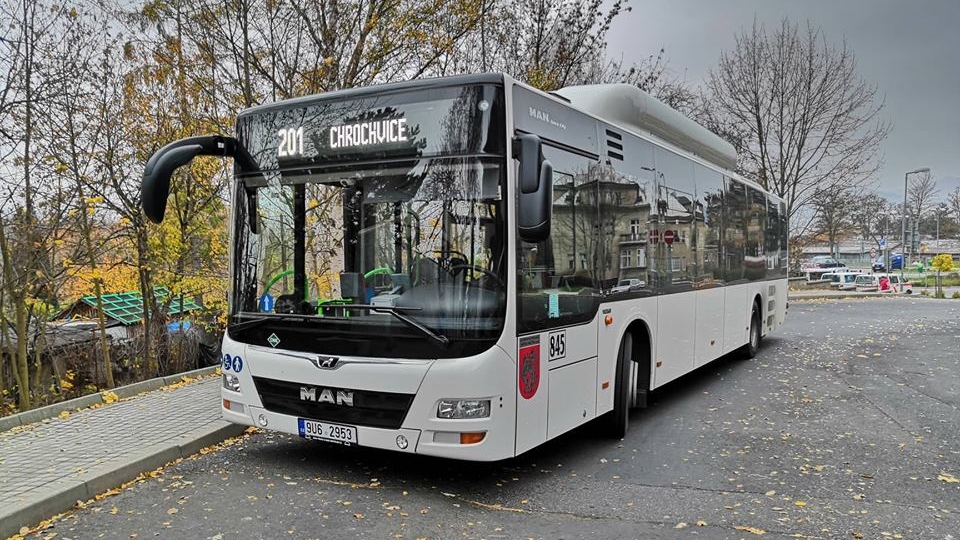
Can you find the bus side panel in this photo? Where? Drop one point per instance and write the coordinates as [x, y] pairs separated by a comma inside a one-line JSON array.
[[675, 341], [573, 396], [736, 323], [776, 305], [710, 321]]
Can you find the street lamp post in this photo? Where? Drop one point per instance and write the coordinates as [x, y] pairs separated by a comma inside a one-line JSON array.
[[903, 235]]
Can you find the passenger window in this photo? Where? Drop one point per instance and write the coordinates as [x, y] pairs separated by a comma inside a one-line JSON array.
[[559, 277]]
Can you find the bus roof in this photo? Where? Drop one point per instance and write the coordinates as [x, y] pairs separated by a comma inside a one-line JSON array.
[[377, 89], [630, 107]]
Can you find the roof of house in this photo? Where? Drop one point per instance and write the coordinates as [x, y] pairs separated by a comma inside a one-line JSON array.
[[127, 307]]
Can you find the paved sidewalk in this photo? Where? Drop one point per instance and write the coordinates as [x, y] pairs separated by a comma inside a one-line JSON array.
[[46, 467]]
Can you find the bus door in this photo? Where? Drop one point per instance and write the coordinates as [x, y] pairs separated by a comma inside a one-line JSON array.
[[558, 293]]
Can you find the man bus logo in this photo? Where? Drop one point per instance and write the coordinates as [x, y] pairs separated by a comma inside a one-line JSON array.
[[529, 366], [326, 362], [326, 395]]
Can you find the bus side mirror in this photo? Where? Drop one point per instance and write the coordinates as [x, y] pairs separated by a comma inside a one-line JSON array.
[[535, 183], [155, 187]]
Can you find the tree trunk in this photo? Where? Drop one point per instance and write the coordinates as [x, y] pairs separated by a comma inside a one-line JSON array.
[[22, 370], [102, 328], [146, 291]]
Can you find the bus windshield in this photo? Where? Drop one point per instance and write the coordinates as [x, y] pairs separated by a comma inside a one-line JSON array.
[[404, 257]]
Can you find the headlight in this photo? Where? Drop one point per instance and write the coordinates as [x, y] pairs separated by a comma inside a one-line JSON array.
[[231, 382], [463, 408]]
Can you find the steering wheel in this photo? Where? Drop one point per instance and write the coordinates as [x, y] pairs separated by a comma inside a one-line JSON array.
[[496, 279]]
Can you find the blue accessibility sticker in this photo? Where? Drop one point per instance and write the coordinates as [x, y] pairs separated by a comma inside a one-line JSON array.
[[227, 362], [237, 364]]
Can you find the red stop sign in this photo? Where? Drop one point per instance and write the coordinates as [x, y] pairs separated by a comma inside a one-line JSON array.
[[668, 237]]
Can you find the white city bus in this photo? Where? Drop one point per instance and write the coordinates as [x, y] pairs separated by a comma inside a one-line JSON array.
[[431, 267]]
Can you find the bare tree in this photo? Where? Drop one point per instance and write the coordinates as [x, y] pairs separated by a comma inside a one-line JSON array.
[[652, 75], [548, 44], [921, 191], [31, 201], [953, 202], [872, 217], [832, 207], [809, 122]]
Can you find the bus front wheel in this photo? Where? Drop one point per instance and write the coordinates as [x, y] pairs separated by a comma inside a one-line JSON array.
[[619, 418]]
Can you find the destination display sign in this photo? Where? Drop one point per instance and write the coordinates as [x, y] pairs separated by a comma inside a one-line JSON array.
[[422, 123], [369, 133]]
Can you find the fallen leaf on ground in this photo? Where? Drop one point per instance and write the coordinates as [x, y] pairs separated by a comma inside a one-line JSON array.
[[751, 530], [948, 478]]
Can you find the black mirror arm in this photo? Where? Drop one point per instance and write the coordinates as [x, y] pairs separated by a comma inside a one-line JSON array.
[[155, 187]]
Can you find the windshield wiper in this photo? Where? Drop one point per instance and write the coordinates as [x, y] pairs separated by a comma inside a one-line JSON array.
[[267, 317], [409, 321], [263, 318]]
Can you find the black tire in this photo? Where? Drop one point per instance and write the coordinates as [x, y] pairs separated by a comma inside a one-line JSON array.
[[619, 418], [753, 341]]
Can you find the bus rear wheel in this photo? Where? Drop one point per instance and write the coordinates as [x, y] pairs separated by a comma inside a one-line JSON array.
[[753, 342]]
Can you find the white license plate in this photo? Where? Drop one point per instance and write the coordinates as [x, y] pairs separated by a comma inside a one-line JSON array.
[[311, 429]]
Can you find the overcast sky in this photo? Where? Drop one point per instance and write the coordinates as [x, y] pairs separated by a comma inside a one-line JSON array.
[[908, 49]]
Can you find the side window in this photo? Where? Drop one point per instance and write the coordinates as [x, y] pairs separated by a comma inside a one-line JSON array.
[[784, 232], [735, 216], [673, 242], [559, 282], [776, 268], [755, 258], [632, 183], [709, 220], [623, 211]]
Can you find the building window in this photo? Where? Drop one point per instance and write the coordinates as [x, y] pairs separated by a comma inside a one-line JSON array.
[[641, 258], [625, 258]]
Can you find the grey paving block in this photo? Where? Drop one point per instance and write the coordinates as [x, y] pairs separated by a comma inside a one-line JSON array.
[[51, 411]]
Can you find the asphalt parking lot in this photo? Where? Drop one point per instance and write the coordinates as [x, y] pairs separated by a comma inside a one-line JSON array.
[[845, 425]]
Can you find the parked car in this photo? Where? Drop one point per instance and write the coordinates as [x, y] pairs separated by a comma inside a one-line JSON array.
[[843, 280], [883, 283], [896, 262], [625, 285], [824, 261]]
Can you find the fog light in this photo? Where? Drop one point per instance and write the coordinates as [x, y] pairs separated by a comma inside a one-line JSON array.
[[262, 420], [402, 442], [231, 382], [463, 408]]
